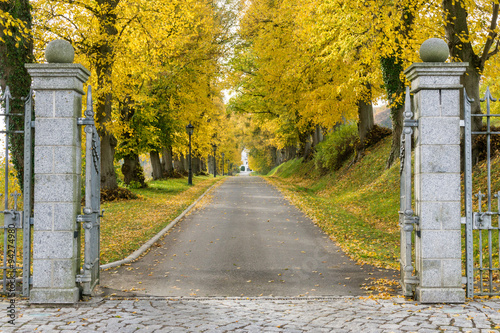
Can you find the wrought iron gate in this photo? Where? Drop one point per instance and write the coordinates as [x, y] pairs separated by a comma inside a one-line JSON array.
[[481, 228], [16, 222], [90, 219]]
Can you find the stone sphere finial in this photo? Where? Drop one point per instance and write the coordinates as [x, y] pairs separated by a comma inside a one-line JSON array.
[[434, 50], [59, 51]]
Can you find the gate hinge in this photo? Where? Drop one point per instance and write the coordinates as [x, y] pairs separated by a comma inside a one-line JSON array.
[[409, 218], [81, 278], [83, 218], [410, 123], [32, 124], [87, 220], [32, 221], [85, 121], [412, 280], [412, 219]]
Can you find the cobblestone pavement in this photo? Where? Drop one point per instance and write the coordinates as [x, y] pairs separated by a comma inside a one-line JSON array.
[[319, 314]]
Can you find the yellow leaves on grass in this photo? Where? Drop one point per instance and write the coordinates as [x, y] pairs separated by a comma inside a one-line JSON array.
[[363, 222], [127, 225], [381, 289]]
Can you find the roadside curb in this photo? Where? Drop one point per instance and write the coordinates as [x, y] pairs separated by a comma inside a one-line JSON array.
[[136, 254]]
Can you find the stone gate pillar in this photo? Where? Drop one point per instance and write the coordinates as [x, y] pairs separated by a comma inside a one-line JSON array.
[[58, 87], [436, 90]]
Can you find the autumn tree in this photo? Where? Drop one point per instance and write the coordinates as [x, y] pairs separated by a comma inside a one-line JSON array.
[[93, 28], [133, 48], [16, 49], [469, 27], [271, 72], [392, 63], [472, 33], [299, 83]]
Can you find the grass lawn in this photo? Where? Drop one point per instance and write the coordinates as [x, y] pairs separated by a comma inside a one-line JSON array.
[[357, 206], [127, 225]]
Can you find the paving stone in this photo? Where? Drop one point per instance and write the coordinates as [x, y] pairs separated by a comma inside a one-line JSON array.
[[257, 315]]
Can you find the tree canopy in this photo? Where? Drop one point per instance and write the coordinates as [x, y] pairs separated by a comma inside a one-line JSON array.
[[304, 64], [296, 68], [156, 67]]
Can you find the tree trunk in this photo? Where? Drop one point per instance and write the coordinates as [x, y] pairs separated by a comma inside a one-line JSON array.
[[215, 166], [280, 153], [132, 170], [108, 175], [167, 162], [103, 55], [210, 164], [317, 136], [471, 81], [183, 164], [156, 165], [196, 165], [179, 164], [462, 50], [392, 68], [366, 121], [14, 75], [274, 157], [290, 153], [307, 146], [203, 165], [108, 144], [185, 161], [397, 130]]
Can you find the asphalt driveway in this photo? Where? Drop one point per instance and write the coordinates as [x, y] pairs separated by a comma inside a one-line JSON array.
[[248, 241]]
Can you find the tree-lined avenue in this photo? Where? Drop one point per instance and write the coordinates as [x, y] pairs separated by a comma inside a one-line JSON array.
[[247, 241]]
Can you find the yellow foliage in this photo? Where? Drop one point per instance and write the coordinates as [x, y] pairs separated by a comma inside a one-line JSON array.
[[162, 57]]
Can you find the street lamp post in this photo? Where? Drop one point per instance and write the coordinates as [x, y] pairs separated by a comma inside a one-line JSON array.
[[223, 164], [215, 161], [189, 130]]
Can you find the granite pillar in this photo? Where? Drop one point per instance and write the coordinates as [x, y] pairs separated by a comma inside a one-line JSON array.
[[436, 93], [58, 103]]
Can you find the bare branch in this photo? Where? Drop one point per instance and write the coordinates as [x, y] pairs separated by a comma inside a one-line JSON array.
[[495, 51], [127, 25], [491, 35]]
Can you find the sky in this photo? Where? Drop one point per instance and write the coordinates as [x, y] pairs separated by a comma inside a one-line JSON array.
[[244, 157]]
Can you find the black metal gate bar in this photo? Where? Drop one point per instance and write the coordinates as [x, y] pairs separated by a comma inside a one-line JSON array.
[[13, 218], [479, 223]]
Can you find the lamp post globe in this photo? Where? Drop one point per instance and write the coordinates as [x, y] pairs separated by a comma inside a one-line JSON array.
[[190, 130]]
